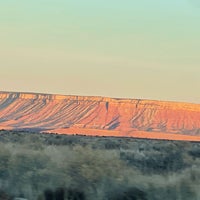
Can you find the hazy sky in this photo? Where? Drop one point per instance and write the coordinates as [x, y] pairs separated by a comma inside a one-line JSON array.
[[138, 49]]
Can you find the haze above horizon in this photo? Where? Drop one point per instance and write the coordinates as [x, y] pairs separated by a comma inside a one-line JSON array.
[[145, 49]]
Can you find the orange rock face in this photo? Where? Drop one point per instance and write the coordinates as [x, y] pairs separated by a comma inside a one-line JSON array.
[[100, 116]]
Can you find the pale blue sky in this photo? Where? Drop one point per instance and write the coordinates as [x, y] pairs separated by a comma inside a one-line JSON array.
[[144, 49]]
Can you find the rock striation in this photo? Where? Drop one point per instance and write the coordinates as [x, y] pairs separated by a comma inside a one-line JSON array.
[[99, 116]]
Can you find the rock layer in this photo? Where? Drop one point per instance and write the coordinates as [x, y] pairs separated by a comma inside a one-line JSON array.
[[99, 115]]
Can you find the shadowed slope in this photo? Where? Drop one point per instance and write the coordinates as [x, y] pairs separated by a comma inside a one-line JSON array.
[[99, 115]]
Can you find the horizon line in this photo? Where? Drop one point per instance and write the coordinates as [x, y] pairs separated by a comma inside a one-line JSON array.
[[99, 96]]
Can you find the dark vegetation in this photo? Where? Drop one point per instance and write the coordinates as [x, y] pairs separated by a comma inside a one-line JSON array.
[[38, 166]]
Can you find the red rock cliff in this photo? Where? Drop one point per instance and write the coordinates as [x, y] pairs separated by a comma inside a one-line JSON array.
[[98, 115]]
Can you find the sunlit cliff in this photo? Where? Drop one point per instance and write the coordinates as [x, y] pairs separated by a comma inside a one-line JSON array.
[[99, 116]]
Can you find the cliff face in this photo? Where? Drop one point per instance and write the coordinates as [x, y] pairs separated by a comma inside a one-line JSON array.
[[98, 115]]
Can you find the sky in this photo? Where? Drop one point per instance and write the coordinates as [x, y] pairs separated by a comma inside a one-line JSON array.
[[130, 49]]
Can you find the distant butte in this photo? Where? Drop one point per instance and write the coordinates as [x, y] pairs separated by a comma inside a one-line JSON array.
[[99, 116]]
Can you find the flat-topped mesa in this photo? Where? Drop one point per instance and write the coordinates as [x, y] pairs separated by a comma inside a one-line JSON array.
[[137, 102], [83, 114]]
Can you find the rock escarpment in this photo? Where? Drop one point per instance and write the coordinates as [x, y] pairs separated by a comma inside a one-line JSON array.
[[97, 115]]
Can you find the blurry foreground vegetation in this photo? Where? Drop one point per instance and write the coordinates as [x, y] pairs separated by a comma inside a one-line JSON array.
[[39, 166]]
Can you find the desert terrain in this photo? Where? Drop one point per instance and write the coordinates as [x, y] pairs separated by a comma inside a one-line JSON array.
[[99, 116]]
